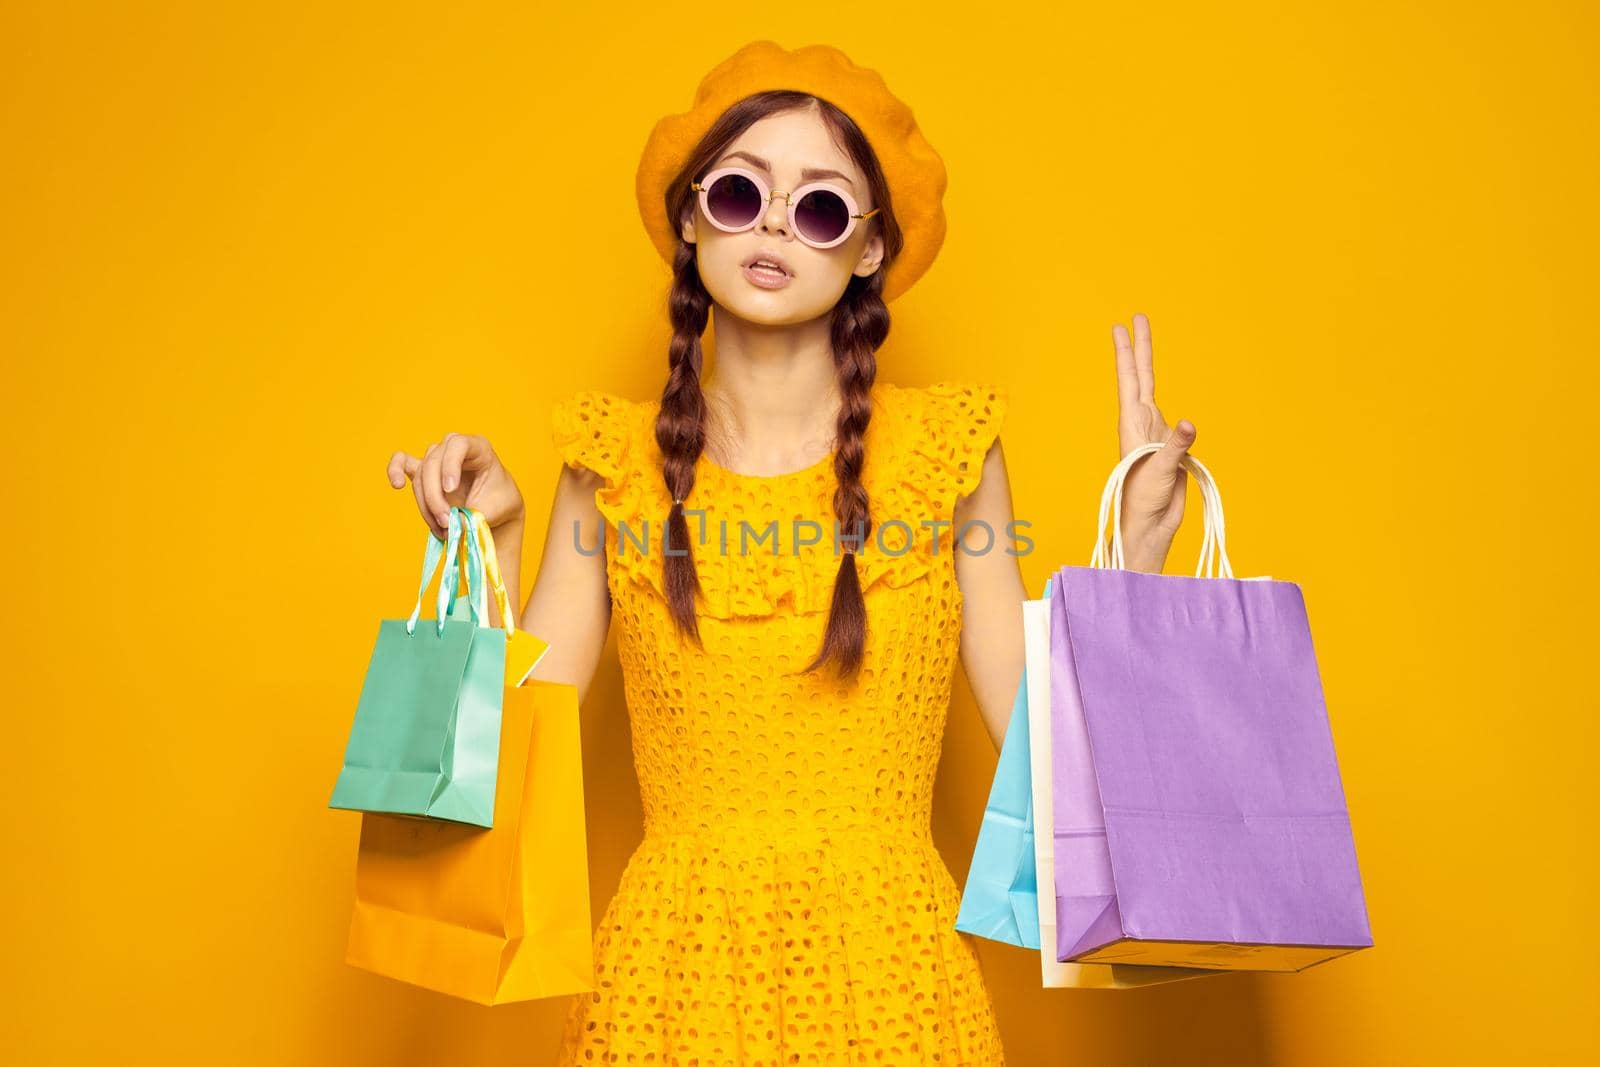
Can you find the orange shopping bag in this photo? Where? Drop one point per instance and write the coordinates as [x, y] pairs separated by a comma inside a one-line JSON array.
[[494, 915]]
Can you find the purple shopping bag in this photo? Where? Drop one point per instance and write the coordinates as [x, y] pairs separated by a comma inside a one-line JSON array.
[[1200, 819]]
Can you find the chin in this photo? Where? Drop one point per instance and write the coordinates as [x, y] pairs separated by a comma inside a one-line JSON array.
[[771, 307]]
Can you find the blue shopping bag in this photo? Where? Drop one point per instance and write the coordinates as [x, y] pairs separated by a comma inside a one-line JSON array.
[[426, 736], [1001, 897]]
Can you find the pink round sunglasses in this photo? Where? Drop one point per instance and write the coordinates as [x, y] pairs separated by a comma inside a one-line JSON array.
[[735, 198]]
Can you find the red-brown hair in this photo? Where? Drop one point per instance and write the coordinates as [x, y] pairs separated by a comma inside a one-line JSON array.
[[860, 325]]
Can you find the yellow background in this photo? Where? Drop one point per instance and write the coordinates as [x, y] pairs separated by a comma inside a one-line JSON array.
[[245, 254]]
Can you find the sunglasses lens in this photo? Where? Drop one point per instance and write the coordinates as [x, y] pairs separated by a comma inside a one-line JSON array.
[[733, 200], [822, 216]]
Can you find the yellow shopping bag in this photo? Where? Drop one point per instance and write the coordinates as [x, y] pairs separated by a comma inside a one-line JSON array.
[[496, 915]]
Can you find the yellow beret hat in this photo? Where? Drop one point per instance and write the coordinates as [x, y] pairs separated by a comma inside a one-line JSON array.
[[914, 171]]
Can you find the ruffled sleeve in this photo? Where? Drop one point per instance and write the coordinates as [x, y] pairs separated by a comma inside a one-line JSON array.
[[590, 429], [959, 422], [599, 431]]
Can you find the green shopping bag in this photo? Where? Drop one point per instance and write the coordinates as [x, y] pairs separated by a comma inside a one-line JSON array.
[[426, 738]]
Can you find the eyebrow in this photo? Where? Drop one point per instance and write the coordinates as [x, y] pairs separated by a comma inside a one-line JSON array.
[[807, 174]]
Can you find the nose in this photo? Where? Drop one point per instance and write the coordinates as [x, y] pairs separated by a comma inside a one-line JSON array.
[[775, 217]]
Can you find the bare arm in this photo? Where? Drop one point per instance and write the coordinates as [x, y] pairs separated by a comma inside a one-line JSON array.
[[570, 606], [992, 593]]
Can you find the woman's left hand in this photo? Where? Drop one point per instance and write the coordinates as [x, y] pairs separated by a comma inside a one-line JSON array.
[[1153, 492]]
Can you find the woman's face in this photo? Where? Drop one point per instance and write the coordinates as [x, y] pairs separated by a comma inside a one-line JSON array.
[[778, 148]]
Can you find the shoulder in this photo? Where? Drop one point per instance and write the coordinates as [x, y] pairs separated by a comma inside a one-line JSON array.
[[597, 429], [974, 407], [953, 412], [947, 428], [949, 399]]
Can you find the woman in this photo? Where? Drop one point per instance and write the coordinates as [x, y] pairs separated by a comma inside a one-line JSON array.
[[788, 649]]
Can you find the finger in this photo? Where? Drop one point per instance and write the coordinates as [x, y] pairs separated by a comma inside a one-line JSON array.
[[1143, 358], [479, 456], [1170, 456], [1180, 439], [401, 464], [432, 494], [458, 448], [1127, 372], [480, 453]]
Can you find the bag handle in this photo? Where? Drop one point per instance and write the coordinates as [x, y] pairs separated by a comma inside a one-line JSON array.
[[1212, 546], [470, 565], [448, 551], [482, 539], [491, 563]]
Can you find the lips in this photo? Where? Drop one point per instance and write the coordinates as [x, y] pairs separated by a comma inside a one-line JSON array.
[[768, 260], [765, 278]]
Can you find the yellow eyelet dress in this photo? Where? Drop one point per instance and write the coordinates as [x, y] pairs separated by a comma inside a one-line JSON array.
[[787, 904]]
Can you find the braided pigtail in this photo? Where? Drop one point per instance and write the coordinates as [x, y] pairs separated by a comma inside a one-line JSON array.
[[860, 325], [681, 434]]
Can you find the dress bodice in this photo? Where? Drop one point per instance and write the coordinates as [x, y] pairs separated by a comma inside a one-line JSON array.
[[731, 731]]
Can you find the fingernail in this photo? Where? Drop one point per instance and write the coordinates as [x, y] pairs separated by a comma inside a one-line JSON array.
[[449, 482]]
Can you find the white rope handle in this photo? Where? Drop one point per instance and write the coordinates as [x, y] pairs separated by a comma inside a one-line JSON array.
[[1214, 544]]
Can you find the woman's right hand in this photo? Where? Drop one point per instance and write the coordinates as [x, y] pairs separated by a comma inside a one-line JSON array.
[[460, 470]]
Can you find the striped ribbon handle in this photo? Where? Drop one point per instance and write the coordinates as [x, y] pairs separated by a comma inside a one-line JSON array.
[[469, 565], [1213, 544], [482, 539]]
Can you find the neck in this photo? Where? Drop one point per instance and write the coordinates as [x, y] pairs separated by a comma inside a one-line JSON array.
[[772, 395]]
